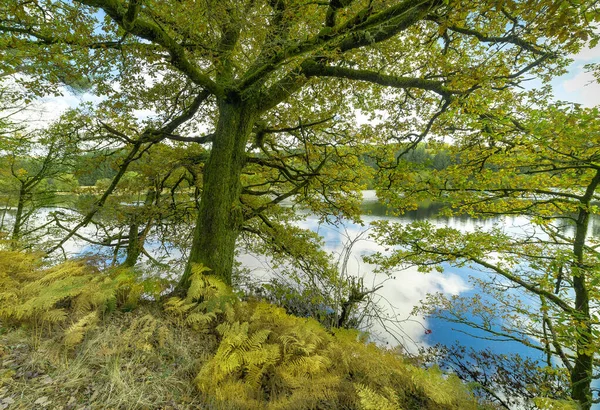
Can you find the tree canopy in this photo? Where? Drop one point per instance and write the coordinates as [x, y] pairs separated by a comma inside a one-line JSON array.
[[251, 78]]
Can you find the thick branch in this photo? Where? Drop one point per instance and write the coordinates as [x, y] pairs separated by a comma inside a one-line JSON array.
[[334, 6], [167, 130], [296, 128], [200, 140], [46, 39], [386, 24], [313, 69], [281, 90], [510, 39], [130, 16], [357, 32]]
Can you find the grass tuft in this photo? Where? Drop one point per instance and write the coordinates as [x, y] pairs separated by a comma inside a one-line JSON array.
[[119, 365]]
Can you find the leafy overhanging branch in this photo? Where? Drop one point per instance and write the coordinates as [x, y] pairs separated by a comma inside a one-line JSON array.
[[153, 33], [139, 147], [46, 39]]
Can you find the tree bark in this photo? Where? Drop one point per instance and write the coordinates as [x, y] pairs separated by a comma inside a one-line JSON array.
[[220, 213], [581, 376], [133, 246], [136, 239], [16, 232]]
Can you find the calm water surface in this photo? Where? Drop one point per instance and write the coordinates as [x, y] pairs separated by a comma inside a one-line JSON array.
[[408, 287]]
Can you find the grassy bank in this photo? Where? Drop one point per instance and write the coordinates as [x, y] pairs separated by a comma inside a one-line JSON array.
[[75, 337], [108, 370]]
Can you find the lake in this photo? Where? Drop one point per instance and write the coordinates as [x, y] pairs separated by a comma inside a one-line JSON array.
[[399, 295]]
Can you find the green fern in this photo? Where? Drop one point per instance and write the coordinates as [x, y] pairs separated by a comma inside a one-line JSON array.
[[201, 321], [371, 400], [75, 333], [269, 359], [47, 297], [145, 333], [54, 316]]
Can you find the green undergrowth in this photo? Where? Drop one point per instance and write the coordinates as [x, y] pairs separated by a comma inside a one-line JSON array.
[[74, 337]]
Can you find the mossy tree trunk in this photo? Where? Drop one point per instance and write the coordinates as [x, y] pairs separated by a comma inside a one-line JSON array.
[[581, 376], [220, 213], [16, 231], [134, 246], [135, 237]]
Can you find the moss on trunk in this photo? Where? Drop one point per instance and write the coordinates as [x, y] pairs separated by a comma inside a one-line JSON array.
[[220, 214]]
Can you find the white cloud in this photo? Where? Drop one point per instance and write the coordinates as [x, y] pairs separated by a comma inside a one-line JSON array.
[[578, 82], [144, 114], [581, 88], [587, 55], [407, 290], [399, 295], [45, 110], [578, 85]]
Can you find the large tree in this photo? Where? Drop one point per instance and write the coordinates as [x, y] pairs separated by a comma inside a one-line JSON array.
[[539, 284], [254, 74]]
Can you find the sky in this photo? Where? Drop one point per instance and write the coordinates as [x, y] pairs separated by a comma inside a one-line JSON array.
[[578, 85]]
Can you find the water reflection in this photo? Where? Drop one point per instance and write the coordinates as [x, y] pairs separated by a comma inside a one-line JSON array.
[[408, 287], [401, 293]]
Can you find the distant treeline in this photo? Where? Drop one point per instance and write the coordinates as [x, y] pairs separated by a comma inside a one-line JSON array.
[[93, 166], [429, 157]]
